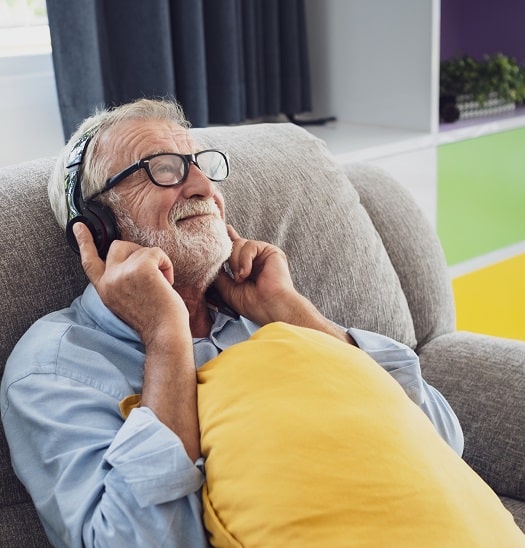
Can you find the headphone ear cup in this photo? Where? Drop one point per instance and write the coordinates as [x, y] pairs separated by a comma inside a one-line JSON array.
[[101, 223]]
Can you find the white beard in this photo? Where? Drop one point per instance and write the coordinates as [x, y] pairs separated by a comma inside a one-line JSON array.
[[197, 247]]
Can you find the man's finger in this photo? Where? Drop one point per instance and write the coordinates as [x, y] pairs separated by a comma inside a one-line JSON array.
[[224, 285], [92, 264], [232, 233]]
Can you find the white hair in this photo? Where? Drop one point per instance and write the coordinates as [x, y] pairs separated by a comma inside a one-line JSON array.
[[95, 166]]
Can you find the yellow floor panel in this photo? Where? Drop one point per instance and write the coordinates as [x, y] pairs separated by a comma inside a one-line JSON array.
[[492, 300]]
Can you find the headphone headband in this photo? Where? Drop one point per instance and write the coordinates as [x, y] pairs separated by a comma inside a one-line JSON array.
[[96, 216], [76, 156], [74, 198]]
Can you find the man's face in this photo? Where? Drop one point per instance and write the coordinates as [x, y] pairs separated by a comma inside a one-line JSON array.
[[186, 221]]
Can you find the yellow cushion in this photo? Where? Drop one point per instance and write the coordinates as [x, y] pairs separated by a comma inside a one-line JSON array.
[[310, 443]]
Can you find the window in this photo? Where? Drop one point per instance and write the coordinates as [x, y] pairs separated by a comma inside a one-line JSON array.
[[23, 27]]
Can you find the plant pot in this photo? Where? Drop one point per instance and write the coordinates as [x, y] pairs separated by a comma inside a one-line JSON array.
[[465, 107]]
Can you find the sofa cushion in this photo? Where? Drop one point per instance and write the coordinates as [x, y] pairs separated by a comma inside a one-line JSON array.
[[309, 442], [483, 378], [286, 188], [39, 273]]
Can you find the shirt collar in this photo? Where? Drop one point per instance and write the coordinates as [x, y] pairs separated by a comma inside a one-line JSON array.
[[107, 321]]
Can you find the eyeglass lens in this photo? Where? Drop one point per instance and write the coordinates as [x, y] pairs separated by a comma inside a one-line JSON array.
[[169, 169]]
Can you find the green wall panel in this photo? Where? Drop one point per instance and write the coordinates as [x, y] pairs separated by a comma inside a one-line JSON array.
[[481, 194]]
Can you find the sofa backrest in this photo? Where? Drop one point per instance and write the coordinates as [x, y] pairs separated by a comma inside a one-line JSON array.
[[284, 188]]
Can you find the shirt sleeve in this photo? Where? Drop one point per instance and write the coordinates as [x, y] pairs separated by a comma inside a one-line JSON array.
[[154, 477], [96, 479], [402, 363]]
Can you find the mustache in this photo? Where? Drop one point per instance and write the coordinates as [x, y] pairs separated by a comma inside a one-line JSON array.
[[191, 207]]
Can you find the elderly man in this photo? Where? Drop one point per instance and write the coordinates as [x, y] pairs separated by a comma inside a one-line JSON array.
[[143, 326]]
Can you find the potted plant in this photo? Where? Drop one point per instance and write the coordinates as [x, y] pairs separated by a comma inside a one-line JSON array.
[[470, 87]]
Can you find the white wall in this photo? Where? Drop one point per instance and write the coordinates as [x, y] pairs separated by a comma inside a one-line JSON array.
[[30, 125], [372, 61]]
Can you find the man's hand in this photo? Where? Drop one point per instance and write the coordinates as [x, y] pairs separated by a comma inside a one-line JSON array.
[[135, 283], [262, 288], [261, 279]]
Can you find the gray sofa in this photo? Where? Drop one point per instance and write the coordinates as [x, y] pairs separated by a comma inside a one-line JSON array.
[[359, 248]]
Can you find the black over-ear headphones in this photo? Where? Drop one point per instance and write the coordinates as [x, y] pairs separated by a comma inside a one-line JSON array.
[[96, 216]]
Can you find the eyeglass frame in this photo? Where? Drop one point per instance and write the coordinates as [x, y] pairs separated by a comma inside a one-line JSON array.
[[143, 163]]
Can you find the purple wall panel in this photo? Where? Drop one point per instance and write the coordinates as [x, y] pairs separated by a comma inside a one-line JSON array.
[[477, 27]]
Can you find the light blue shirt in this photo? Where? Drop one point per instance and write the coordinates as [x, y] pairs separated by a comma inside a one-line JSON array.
[[99, 480]]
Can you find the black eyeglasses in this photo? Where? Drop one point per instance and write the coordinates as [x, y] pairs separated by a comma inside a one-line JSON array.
[[171, 169]]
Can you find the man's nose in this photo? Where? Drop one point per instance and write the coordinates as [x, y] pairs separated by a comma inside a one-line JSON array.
[[197, 184]]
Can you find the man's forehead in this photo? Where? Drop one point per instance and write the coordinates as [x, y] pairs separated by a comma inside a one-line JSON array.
[[151, 136]]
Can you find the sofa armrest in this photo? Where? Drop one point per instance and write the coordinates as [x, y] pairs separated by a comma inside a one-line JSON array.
[[419, 261], [483, 378]]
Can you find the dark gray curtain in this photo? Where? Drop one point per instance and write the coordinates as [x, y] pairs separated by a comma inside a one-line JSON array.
[[224, 60]]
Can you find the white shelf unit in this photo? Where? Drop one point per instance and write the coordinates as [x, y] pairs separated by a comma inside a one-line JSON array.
[[375, 67], [375, 62]]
